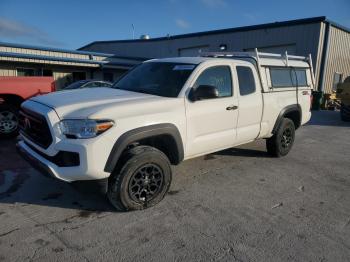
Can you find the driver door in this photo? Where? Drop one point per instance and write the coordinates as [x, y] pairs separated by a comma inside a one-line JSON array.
[[211, 123]]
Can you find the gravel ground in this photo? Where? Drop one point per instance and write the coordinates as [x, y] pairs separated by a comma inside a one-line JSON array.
[[234, 205]]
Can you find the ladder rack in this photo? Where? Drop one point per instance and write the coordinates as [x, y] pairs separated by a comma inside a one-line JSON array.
[[256, 55]]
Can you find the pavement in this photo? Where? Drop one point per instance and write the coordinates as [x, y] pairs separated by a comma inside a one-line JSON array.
[[234, 205]]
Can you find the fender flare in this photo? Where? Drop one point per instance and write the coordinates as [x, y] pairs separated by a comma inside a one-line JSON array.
[[284, 111], [141, 133]]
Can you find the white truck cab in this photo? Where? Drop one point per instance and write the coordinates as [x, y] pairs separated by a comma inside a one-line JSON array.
[[162, 112]]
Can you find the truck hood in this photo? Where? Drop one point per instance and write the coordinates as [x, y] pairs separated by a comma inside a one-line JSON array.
[[82, 103]]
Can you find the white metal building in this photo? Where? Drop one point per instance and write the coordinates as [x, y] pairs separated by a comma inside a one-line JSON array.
[[328, 43]]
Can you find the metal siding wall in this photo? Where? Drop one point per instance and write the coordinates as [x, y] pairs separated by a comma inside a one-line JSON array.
[[338, 59], [42, 52], [317, 59], [7, 71], [44, 62], [305, 37], [61, 75]]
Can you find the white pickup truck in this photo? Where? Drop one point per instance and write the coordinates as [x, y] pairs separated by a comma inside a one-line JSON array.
[[162, 112]]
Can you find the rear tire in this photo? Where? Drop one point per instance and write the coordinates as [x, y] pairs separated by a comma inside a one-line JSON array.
[[281, 143], [8, 121], [142, 181]]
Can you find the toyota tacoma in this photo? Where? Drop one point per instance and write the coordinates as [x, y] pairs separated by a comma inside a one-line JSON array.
[[162, 112]]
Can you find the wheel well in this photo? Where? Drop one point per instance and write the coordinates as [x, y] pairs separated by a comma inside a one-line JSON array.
[[165, 143], [14, 100], [294, 116], [165, 137], [292, 112]]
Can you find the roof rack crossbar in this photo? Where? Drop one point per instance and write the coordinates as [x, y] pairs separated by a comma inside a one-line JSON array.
[[255, 55], [258, 55]]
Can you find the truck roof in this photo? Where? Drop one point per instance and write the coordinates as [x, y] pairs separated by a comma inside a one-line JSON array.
[[186, 60], [270, 61]]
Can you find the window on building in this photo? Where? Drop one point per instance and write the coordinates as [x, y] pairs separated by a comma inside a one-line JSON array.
[[108, 76], [288, 77], [79, 76], [25, 72], [246, 80], [337, 79], [218, 76], [47, 72]]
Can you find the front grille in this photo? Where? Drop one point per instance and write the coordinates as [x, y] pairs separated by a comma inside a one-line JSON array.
[[34, 127]]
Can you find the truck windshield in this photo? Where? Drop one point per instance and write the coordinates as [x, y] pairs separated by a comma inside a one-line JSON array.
[[156, 78]]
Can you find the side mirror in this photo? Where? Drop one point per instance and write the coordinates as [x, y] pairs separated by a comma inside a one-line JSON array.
[[204, 92]]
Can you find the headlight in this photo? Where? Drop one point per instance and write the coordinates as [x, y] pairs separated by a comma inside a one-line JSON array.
[[84, 128]]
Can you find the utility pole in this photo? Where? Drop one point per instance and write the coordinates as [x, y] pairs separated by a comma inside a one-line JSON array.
[[133, 31]]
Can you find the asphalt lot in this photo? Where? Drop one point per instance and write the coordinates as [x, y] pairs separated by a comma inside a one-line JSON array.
[[235, 205]]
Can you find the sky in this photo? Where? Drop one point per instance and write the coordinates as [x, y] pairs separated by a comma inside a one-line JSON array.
[[72, 24]]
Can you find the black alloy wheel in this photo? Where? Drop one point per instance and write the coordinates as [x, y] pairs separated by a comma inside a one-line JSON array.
[[141, 180], [146, 183]]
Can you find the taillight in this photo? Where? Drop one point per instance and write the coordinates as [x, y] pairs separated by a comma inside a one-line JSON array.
[[306, 93]]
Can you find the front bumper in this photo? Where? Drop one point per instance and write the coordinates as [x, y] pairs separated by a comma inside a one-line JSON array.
[[32, 160], [88, 168], [35, 160], [65, 159]]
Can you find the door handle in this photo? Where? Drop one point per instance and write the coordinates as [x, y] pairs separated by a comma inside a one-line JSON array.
[[231, 107]]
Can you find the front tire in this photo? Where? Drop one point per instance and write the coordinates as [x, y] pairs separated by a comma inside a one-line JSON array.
[[281, 143], [142, 181], [8, 121]]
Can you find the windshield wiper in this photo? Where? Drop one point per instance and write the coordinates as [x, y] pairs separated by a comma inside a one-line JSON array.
[[143, 91]]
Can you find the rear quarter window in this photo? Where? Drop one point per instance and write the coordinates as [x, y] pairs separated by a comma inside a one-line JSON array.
[[301, 77], [288, 77]]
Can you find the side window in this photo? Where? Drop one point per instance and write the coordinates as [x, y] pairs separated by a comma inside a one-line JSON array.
[[301, 77], [101, 84], [287, 77], [218, 76], [246, 80], [281, 77], [91, 84]]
